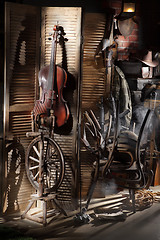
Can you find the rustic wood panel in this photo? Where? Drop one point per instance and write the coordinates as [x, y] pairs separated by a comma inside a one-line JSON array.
[[68, 57], [22, 29], [93, 85], [21, 91]]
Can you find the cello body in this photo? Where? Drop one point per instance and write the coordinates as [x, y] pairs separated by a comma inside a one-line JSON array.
[[52, 80]]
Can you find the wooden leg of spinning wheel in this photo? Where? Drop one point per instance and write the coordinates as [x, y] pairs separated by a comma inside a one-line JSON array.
[[27, 209], [44, 213]]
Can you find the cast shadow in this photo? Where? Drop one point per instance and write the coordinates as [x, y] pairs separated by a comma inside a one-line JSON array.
[[15, 170]]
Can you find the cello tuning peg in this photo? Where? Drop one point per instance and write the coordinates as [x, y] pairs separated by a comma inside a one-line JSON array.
[[65, 39]]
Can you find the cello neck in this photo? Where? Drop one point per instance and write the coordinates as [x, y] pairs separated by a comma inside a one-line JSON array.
[[51, 75]]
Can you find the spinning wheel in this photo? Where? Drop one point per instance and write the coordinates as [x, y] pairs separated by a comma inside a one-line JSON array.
[[98, 134], [44, 164]]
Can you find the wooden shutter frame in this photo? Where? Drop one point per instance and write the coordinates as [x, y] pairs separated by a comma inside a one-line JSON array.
[[76, 108], [7, 109]]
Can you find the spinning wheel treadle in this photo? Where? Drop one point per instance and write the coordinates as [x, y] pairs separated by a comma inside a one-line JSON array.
[[44, 164]]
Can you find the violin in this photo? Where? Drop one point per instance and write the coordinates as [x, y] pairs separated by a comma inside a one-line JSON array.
[[52, 80]]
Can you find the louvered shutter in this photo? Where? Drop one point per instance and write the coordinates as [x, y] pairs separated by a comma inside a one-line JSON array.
[[22, 28], [69, 58], [93, 84], [21, 90]]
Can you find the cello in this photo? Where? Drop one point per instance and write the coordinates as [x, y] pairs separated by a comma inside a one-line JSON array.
[[52, 80]]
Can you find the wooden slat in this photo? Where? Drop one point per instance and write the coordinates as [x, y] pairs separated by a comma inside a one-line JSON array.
[[93, 78], [70, 20], [21, 85], [23, 73], [22, 52], [93, 85]]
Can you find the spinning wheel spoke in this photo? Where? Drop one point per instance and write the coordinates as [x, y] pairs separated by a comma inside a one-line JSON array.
[[34, 159], [50, 168], [36, 151], [31, 168], [36, 175], [50, 164], [52, 154]]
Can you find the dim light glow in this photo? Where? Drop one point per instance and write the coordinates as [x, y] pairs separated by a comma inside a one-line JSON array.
[[130, 10], [129, 7]]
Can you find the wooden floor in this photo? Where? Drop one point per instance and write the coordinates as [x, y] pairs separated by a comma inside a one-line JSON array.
[[143, 224]]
